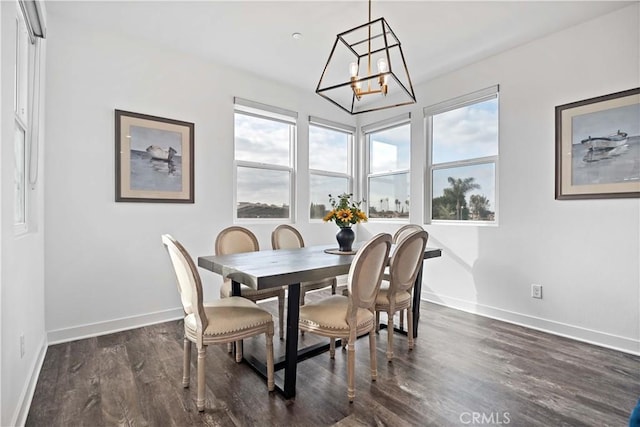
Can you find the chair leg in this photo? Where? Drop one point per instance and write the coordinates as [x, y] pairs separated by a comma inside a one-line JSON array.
[[269, 339], [402, 319], [334, 287], [372, 355], [239, 351], [332, 348], [229, 347], [410, 327], [389, 336], [281, 313], [351, 363], [202, 357], [186, 363]]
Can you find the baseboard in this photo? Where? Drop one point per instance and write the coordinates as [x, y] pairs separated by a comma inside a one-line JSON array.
[[602, 339], [20, 416], [110, 326]]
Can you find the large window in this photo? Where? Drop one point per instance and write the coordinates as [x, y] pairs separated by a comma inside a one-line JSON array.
[[463, 141], [264, 142], [330, 163], [388, 166]]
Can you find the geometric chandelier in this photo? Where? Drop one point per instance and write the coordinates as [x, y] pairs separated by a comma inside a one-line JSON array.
[[357, 51]]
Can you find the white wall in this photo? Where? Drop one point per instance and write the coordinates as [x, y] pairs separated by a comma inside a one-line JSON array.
[[21, 256], [585, 253], [106, 267], [105, 264]]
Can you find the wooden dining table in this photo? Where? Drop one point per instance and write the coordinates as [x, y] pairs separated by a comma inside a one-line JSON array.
[[289, 267]]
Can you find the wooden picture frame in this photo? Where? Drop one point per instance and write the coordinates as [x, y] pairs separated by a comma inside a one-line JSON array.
[[154, 159], [598, 147]]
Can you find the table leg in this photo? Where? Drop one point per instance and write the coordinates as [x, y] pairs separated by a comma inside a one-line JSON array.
[[417, 291], [291, 344]]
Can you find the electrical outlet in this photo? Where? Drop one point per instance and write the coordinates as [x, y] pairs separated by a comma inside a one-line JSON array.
[[536, 291], [21, 346]]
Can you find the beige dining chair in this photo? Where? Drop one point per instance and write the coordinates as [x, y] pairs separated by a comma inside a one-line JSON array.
[[285, 236], [233, 240], [404, 266], [400, 234], [218, 322], [339, 316]]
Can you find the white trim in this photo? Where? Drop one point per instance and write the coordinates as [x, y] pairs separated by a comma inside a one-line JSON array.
[[387, 123], [460, 101], [26, 396], [317, 121], [259, 109], [110, 326], [590, 336]]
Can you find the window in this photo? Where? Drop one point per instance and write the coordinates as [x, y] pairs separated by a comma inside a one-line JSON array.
[[264, 141], [330, 163], [21, 90], [29, 31], [463, 140], [388, 165]]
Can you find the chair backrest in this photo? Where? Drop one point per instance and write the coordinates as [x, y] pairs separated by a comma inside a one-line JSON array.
[[365, 273], [404, 231], [286, 237], [234, 240], [189, 284], [406, 261]]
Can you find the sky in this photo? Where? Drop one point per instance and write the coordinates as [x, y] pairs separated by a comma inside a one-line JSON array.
[[462, 134]]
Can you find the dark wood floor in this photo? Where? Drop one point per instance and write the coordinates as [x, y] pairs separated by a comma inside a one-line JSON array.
[[465, 370]]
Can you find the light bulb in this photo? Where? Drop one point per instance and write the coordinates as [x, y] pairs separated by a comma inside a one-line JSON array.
[[353, 69], [382, 65]]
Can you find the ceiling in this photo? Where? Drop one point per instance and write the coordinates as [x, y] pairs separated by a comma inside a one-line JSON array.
[[437, 37]]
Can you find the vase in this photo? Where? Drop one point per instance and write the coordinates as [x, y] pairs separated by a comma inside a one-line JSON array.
[[345, 238]]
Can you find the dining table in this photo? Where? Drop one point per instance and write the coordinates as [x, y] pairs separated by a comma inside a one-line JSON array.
[[289, 267]]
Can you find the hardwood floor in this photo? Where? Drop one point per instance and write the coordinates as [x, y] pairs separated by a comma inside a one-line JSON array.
[[464, 370]]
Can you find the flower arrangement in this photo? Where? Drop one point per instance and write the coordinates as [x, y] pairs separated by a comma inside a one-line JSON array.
[[344, 211]]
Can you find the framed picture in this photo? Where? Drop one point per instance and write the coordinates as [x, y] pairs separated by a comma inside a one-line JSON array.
[[598, 147], [154, 159]]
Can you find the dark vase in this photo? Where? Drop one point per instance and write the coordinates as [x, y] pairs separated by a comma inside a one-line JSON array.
[[345, 238]]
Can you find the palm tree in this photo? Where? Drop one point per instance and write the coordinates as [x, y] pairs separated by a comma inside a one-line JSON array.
[[479, 205], [459, 188]]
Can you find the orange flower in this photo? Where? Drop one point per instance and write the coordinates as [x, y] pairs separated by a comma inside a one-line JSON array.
[[361, 216], [344, 215], [329, 216]]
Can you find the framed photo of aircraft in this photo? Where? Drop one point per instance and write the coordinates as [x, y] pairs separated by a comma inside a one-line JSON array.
[[598, 147], [154, 159]]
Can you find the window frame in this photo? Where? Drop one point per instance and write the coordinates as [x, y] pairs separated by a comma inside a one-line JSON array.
[[349, 175], [390, 123], [24, 50], [492, 92], [266, 112]]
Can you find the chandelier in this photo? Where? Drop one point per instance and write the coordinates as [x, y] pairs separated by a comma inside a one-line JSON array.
[[349, 80]]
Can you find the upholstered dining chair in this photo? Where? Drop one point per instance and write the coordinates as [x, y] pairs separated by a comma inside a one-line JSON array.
[[285, 236], [339, 316], [218, 322], [400, 234], [405, 264], [404, 231], [233, 240]]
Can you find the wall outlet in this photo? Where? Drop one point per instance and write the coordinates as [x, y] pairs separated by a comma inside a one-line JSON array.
[[536, 291], [21, 346]]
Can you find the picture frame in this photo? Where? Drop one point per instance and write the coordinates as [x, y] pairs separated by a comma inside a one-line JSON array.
[[598, 147], [154, 159]]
